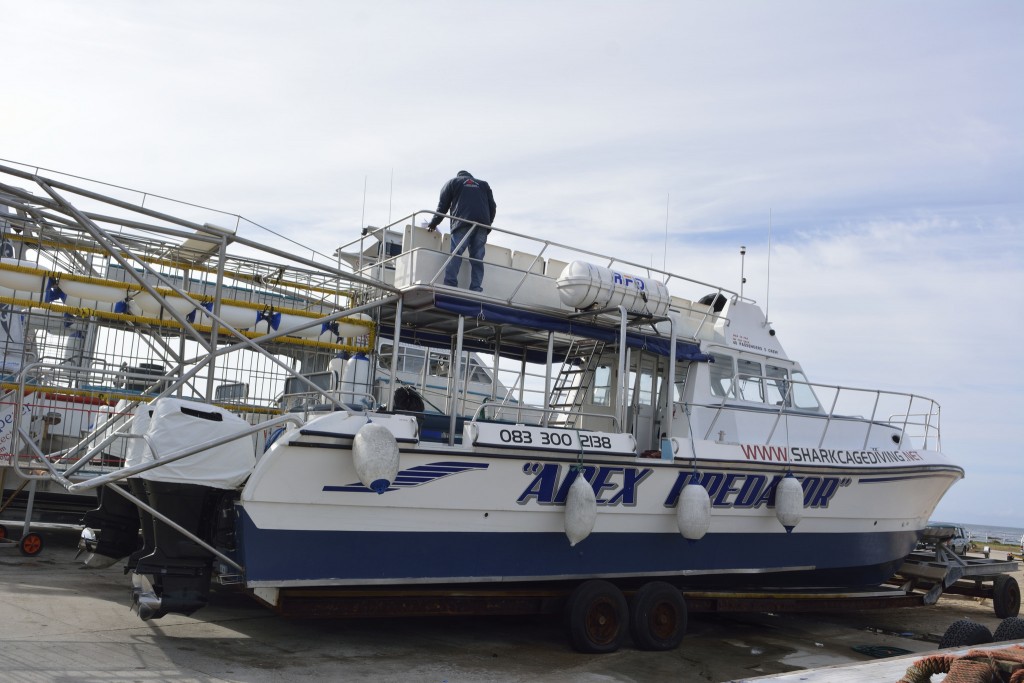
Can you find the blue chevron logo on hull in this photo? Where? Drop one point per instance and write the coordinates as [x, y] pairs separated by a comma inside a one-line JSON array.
[[416, 476]]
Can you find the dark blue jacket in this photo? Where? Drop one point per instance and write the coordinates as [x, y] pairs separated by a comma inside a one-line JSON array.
[[466, 197]]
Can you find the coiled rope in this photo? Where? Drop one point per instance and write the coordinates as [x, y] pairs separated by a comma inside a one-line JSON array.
[[977, 666]]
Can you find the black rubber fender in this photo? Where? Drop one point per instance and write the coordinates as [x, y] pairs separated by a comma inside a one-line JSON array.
[[964, 632], [1011, 628]]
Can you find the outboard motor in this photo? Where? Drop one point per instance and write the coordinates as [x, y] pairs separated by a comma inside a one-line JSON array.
[[175, 575], [111, 530]]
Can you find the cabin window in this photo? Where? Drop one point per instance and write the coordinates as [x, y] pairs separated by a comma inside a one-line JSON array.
[[721, 375], [410, 360], [645, 386], [603, 386], [777, 386], [803, 395], [681, 370], [477, 374], [438, 365], [384, 356], [749, 380]]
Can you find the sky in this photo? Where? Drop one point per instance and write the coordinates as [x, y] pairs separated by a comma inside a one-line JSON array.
[[880, 145]]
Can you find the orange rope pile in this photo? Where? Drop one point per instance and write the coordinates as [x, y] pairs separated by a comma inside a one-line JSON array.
[[977, 666]]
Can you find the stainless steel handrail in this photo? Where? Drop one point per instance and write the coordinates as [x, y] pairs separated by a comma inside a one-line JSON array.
[[899, 421], [538, 409]]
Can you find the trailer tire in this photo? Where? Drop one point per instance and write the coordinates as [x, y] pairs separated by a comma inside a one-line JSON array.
[[657, 617], [596, 617], [31, 544], [963, 632], [1006, 596], [1011, 628]]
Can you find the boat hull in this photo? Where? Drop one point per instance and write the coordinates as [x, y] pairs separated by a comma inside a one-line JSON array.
[[350, 558], [478, 514]]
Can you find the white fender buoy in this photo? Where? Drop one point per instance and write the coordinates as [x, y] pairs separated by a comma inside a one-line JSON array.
[[152, 307], [375, 456], [90, 291], [30, 278], [789, 501], [693, 513], [580, 510], [238, 317]]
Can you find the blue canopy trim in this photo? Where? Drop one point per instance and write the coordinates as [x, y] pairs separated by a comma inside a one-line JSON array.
[[498, 314]]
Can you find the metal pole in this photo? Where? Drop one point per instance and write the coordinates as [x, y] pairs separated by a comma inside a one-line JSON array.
[[623, 378], [522, 387], [214, 329], [670, 403], [454, 373], [547, 377], [394, 354], [494, 368]]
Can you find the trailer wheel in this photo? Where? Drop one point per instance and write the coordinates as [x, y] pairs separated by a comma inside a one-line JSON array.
[[963, 632], [1011, 628], [657, 617], [596, 617], [1006, 596], [31, 544]]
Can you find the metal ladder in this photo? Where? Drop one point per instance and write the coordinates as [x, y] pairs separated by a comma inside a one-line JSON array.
[[573, 381]]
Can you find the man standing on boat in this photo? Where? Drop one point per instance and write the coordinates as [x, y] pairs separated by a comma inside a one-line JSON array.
[[469, 199]]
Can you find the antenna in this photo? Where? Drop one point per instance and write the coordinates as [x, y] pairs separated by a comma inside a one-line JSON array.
[[362, 216], [768, 279], [391, 194], [743, 265]]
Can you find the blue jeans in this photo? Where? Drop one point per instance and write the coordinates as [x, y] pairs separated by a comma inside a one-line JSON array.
[[476, 243]]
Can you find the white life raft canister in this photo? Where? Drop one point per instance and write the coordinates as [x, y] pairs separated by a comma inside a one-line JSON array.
[[582, 285]]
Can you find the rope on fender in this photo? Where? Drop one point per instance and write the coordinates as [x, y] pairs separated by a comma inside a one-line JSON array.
[[977, 666]]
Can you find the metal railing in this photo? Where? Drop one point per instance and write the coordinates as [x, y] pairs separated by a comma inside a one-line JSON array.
[[542, 246], [545, 413], [902, 420]]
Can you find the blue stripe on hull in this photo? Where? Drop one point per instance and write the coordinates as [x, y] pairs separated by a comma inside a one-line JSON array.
[[350, 557]]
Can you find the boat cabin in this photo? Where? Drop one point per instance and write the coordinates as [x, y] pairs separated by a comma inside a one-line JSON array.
[[586, 341]]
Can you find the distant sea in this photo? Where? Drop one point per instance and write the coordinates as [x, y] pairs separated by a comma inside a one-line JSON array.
[[1004, 534]]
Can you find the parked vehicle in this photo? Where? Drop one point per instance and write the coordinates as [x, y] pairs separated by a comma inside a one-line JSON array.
[[956, 538]]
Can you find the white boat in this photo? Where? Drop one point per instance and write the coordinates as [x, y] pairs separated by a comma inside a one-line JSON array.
[[669, 440]]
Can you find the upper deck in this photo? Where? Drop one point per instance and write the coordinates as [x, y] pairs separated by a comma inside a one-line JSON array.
[[532, 287]]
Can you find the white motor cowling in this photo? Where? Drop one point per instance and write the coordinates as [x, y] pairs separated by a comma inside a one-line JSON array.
[[582, 285], [789, 501], [693, 514], [177, 425], [580, 510], [375, 456]]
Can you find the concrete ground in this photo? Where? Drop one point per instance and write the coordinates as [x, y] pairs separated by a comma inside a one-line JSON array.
[[60, 621]]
